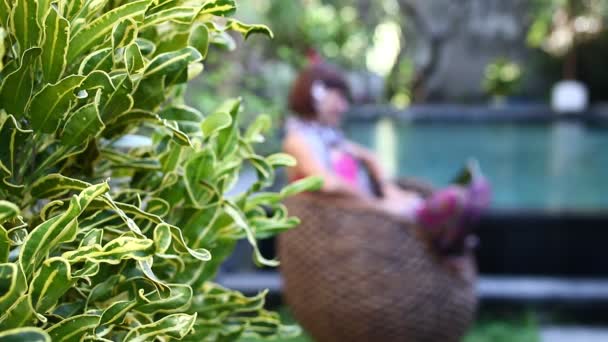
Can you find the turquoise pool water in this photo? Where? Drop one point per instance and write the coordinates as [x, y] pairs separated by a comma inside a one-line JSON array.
[[552, 166]]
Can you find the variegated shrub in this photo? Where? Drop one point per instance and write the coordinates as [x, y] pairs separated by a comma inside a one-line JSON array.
[[103, 242]]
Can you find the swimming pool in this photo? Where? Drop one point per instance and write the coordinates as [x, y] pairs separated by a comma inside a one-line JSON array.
[[553, 166]]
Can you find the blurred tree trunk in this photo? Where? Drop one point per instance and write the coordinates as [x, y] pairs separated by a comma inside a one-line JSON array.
[[435, 37], [570, 68]]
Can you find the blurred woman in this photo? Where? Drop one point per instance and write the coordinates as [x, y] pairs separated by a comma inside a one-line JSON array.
[[319, 97]]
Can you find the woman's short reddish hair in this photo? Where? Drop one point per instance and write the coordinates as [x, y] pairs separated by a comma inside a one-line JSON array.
[[300, 96]]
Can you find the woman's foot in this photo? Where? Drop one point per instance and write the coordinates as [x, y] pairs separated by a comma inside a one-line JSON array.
[[441, 216], [450, 214]]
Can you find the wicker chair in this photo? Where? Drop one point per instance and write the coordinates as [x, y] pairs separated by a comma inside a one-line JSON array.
[[354, 274]]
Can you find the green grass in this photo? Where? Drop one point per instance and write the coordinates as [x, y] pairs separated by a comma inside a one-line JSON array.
[[489, 328], [500, 329]]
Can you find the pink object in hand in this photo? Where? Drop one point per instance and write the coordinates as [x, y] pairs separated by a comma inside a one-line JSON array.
[[346, 167]]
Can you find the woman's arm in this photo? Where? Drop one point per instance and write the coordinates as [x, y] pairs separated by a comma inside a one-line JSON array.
[[390, 190], [309, 165]]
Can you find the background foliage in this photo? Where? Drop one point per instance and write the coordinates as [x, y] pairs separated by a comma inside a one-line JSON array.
[[102, 238], [502, 77]]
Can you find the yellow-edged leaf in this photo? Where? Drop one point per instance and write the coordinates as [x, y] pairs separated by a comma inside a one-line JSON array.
[[54, 46]]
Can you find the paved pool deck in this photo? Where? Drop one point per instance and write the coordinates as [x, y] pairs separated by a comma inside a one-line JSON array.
[[573, 334]]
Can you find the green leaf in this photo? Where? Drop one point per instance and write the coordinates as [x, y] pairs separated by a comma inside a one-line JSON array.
[[5, 12], [181, 113], [55, 185], [247, 30], [97, 60], [263, 198], [147, 47], [73, 328], [171, 63], [12, 137], [199, 39], [13, 285], [70, 8], [84, 124], [239, 219], [162, 238], [179, 244], [97, 80], [7, 211], [50, 209], [213, 300], [176, 39], [268, 227], [158, 6], [29, 334], [150, 93], [264, 170], [66, 310], [120, 160], [215, 123], [14, 306], [104, 289], [116, 312], [170, 160], [134, 117], [123, 208], [113, 252], [178, 136], [306, 184], [222, 8], [134, 60], [179, 13], [124, 33], [188, 119], [85, 12], [61, 228], [178, 300], [95, 236], [5, 245], [96, 31], [51, 104], [227, 141], [24, 23], [199, 170], [224, 40], [120, 101], [17, 235], [158, 206], [57, 153], [137, 116], [254, 132], [43, 10], [17, 87], [50, 283], [146, 268], [281, 160], [175, 326], [54, 46], [18, 314]]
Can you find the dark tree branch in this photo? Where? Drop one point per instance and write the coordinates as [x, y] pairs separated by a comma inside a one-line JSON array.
[[436, 38]]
